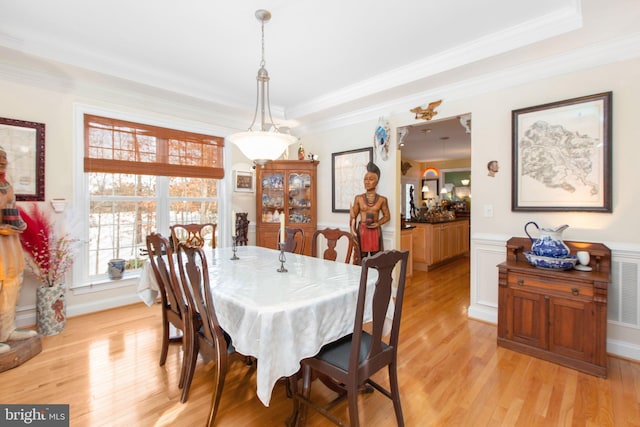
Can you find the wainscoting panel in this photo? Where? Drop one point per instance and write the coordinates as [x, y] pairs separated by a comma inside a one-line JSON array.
[[623, 293]]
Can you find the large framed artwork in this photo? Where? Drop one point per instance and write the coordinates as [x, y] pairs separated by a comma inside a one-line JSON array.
[[561, 156], [24, 144], [347, 174]]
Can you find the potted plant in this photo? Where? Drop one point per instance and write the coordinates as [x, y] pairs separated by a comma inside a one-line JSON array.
[[49, 257]]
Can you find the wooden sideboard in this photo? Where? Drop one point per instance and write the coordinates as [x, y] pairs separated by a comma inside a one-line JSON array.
[[557, 315], [436, 243]]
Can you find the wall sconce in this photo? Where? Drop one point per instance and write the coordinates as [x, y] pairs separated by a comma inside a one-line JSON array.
[[465, 182], [58, 205]]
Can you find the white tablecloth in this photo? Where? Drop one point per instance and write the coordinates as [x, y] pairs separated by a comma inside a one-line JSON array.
[[280, 318]]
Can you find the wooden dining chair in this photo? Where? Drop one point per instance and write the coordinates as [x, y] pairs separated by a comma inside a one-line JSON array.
[[294, 240], [352, 360], [331, 237], [209, 340], [172, 299], [193, 234]]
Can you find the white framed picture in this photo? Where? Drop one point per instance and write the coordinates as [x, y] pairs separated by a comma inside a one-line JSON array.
[[243, 182]]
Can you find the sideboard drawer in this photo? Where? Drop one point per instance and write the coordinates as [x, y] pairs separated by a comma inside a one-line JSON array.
[[542, 284]]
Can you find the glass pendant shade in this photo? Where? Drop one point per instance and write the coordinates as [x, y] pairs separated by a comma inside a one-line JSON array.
[[262, 146]]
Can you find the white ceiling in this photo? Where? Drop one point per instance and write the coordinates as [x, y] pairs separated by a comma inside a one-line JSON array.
[[326, 59]]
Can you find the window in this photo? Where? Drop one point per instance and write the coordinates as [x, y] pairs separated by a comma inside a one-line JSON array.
[[142, 178]]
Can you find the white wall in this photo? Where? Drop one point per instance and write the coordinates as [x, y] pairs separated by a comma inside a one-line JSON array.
[[490, 139]]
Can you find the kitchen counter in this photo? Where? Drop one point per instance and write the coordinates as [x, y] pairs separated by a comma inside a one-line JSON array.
[[440, 221]]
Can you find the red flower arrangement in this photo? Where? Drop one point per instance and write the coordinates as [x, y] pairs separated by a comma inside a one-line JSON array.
[[50, 257]]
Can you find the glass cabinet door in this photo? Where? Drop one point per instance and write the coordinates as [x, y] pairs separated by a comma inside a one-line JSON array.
[[272, 197], [299, 198]]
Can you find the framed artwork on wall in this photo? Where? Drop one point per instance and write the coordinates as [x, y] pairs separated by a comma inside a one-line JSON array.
[[347, 174], [561, 155], [433, 186], [243, 182], [24, 144]]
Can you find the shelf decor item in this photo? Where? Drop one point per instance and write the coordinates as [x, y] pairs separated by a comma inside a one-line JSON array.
[[561, 158], [49, 256]]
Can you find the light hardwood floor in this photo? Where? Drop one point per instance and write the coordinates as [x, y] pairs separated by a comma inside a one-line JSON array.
[[105, 365]]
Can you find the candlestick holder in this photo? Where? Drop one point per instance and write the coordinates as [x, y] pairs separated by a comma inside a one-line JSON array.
[[234, 247], [282, 259]]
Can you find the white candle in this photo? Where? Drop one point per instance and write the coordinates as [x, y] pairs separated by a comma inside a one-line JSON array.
[[233, 223], [281, 228]]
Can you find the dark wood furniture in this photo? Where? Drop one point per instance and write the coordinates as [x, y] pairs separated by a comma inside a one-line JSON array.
[[352, 361], [173, 312], [294, 240], [328, 239], [557, 315], [206, 337], [242, 229], [193, 234], [289, 187]]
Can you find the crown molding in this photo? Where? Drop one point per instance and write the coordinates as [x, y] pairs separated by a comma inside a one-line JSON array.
[[616, 50], [532, 31]]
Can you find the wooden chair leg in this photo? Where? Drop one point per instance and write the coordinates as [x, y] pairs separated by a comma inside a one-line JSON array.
[[186, 344], [352, 398], [292, 392], [221, 373], [190, 360], [395, 393], [165, 340]]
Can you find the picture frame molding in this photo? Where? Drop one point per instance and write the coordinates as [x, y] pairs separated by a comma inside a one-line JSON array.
[[346, 181], [524, 199], [32, 176]]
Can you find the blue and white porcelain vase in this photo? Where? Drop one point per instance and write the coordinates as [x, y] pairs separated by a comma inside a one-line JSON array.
[[549, 242]]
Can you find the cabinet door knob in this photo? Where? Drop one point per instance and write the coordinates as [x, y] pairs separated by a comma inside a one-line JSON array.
[[575, 291], [520, 282]]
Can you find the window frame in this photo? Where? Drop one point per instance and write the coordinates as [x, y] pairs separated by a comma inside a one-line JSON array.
[[81, 279]]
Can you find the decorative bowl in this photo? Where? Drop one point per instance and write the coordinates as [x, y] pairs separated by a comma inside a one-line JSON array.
[[564, 263]]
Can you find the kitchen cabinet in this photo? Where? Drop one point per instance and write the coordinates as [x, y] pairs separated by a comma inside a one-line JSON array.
[[288, 187], [406, 244], [436, 243], [557, 315]]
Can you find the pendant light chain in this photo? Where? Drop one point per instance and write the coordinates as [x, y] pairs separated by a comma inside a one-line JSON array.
[[262, 63]]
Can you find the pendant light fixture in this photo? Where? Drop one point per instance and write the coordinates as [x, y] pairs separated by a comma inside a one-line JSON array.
[[266, 143]]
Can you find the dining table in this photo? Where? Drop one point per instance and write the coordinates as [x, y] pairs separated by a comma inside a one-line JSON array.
[[277, 317]]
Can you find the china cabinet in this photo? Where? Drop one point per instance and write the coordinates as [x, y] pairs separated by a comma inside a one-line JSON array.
[[557, 315], [286, 187]]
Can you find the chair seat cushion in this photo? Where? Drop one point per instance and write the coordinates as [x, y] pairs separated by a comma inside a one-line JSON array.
[[337, 352]]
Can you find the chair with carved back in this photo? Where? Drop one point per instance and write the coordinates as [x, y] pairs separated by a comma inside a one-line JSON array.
[[351, 361], [332, 237], [294, 240], [209, 340], [193, 234], [172, 299]]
